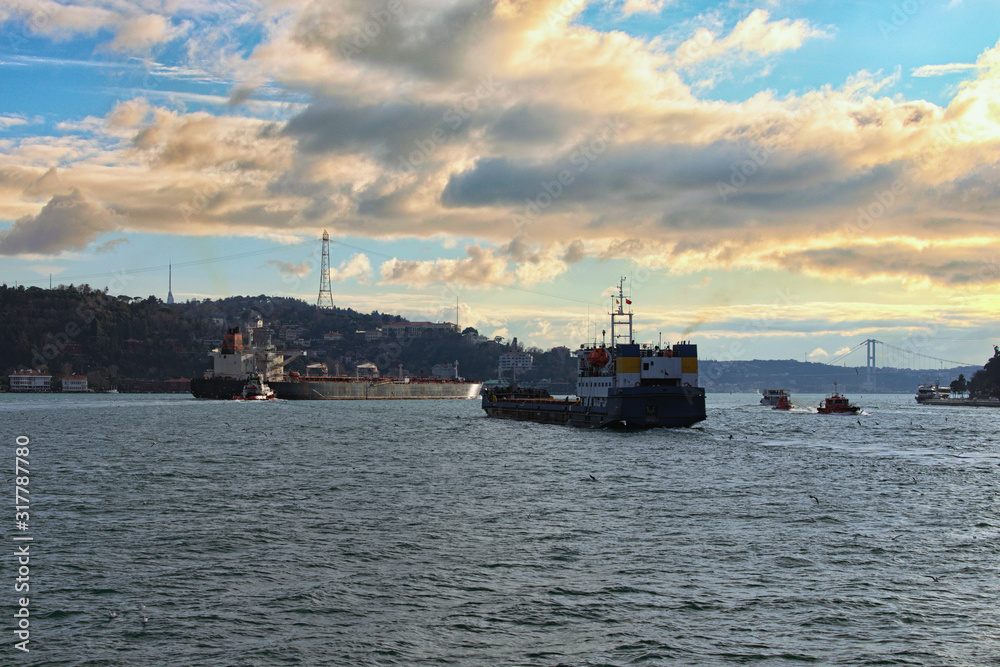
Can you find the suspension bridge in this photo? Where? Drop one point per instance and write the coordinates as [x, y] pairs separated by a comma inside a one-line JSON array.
[[896, 357]]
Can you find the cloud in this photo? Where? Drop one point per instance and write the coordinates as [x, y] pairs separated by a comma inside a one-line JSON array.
[[291, 270], [755, 35], [136, 35], [110, 245], [129, 113], [943, 70], [358, 267], [69, 221], [819, 353], [135, 31], [466, 120], [644, 6], [480, 268], [11, 121]]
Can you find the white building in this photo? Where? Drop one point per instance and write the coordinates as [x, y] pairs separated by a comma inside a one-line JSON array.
[[517, 362], [333, 336], [74, 383], [417, 329], [30, 380]]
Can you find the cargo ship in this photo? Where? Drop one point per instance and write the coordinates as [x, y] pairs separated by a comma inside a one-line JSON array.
[[233, 364], [623, 385]]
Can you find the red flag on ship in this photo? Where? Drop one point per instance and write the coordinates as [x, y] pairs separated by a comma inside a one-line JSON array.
[[628, 301]]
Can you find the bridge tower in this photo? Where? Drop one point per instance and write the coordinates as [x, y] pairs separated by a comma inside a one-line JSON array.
[[870, 365]]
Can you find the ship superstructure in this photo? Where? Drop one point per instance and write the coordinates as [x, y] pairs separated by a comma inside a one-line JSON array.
[[621, 385]]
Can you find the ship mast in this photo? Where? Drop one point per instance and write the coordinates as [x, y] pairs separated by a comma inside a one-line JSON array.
[[619, 316]]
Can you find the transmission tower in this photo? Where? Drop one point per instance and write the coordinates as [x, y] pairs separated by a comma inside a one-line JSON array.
[[325, 298]]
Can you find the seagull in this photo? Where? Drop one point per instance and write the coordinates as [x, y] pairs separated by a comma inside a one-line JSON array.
[[593, 478], [814, 498], [112, 614], [932, 577], [145, 620]]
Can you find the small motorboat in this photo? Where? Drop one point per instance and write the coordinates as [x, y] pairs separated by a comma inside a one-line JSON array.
[[837, 404], [256, 390]]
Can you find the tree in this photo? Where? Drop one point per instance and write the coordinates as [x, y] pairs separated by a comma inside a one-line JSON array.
[[959, 386], [986, 383]]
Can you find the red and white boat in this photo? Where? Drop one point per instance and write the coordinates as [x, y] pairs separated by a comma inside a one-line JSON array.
[[783, 403], [837, 404]]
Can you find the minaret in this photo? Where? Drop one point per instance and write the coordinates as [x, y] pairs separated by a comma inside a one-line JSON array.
[[170, 283]]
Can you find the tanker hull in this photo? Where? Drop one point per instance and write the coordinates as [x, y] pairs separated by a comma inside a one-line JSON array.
[[217, 388], [372, 390], [632, 409], [345, 389]]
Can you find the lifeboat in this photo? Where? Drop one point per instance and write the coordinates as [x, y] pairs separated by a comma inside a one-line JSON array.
[[598, 357]]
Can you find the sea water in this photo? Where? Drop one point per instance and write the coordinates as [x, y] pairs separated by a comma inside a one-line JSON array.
[[167, 530]]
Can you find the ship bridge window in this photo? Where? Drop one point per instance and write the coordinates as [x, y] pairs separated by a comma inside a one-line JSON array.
[[645, 366]]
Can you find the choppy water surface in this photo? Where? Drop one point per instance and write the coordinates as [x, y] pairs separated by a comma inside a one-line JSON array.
[[422, 532]]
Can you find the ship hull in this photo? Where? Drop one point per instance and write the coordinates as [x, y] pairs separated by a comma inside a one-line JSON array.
[[372, 390], [217, 388], [632, 409], [959, 402], [341, 389]]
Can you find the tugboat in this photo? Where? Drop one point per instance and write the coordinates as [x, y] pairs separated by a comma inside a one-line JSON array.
[[256, 390], [621, 386], [782, 403], [837, 404]]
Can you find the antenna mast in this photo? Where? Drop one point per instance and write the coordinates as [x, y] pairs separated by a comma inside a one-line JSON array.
[[170, 283], [619, 316], [325, 298]]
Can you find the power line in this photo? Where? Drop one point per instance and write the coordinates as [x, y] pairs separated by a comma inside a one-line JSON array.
[[195, 262], [474, 279], [252, 253]]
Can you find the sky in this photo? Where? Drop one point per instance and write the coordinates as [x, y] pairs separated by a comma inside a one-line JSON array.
[[781, 179]]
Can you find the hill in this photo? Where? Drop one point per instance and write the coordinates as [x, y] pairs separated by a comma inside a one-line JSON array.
[[79, 330], [816, 378]]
